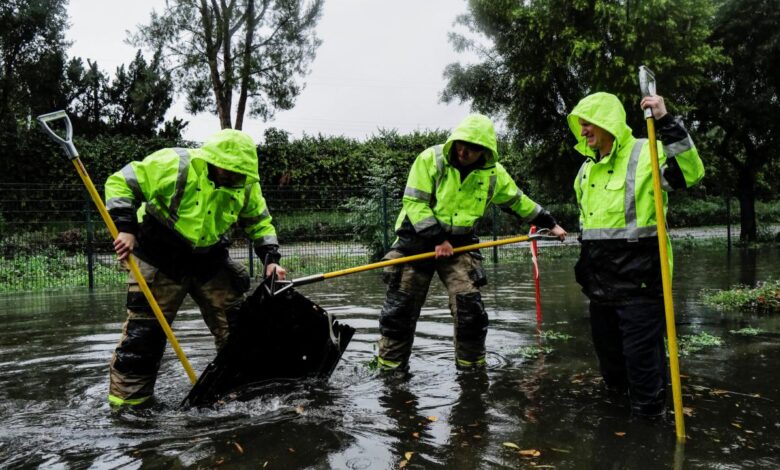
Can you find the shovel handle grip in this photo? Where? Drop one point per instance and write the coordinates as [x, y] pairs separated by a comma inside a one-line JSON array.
[[67, 141]]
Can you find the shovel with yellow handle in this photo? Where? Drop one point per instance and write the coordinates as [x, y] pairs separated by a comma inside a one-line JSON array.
[[647, 86], [70, 150]]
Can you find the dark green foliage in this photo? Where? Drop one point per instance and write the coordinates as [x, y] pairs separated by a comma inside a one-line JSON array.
[[739, 106], [379, 209], [32, 45], [37, 162], [539, 58]]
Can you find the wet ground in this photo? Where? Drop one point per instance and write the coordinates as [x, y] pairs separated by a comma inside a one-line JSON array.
[[54, 351]]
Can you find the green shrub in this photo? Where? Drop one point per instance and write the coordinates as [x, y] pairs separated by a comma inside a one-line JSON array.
[[765, 298]]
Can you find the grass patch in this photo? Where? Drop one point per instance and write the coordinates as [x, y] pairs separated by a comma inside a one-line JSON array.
[[54, 270], [764, 298]]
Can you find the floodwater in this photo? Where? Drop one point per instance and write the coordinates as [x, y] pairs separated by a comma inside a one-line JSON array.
[[54, 351]]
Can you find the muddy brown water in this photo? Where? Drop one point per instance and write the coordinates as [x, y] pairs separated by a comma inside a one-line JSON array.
[[54, 351]]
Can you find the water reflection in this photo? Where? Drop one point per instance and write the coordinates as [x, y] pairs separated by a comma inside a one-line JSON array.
[[469, 428], [55, 348]]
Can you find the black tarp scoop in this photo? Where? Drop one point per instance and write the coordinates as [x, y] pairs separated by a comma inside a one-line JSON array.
[[276, 334]]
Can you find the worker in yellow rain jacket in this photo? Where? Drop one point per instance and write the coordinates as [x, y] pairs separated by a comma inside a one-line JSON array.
[[449, 188], [189, 199], [619, 266]]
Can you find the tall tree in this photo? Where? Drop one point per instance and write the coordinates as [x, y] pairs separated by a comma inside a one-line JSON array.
[[139, 96], [32, 48], [538, 58], [257, 49], [88, 96], [741, 104]]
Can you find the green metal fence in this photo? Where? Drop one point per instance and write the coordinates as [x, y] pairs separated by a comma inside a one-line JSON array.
[[54, 238]]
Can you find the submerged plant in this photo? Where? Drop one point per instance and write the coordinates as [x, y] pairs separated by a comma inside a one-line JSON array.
[[689, 344], [551, 335], [533, 351], [765, 297], [748, 331], [372, 364]]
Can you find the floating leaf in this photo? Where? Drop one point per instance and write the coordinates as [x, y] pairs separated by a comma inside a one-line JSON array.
[[408, 455], [530, 453], [238, 447], [432, 419], [403, 464], [511, 445], [620, 433], [687, 411], [299, 409], [416, 435], [737, 425]]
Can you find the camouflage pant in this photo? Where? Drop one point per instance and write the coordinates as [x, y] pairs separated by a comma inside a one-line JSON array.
[[136, 360], [407, 288]]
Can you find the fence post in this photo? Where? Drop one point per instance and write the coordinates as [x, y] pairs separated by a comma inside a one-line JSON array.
[[251, 259], [385, 241], [728, 221], [495, 234], [90, 249]]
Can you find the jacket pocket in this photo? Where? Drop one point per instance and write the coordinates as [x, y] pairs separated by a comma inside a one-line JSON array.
[[615, 196]]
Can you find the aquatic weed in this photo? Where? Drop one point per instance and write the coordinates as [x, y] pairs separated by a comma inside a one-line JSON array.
[[373, 363], [689, 344], [551, 335], [533, 351], [748, 331]]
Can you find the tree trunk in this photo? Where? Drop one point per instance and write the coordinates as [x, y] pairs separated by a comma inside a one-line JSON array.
[[747, 204], [209, 29], [246, 60]]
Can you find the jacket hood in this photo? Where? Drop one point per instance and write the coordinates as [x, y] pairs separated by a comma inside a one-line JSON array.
[[606, 111], [476, 129], [232, 150]]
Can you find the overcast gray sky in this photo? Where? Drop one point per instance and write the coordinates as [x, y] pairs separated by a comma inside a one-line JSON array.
[[380, 65]]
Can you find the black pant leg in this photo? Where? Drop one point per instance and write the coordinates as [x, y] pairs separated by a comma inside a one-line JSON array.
[[607, 340]]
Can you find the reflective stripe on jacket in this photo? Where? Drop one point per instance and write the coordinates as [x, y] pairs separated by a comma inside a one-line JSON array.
[[619, 258], [436, 198], [615, 193], [174, 187]]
